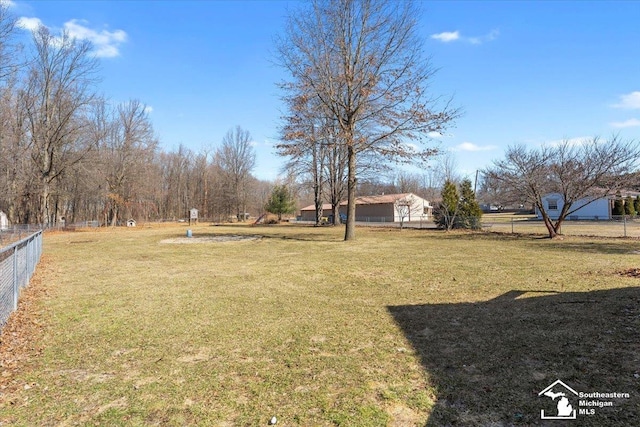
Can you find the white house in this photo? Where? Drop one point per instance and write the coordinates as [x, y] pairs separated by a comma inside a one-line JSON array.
[[596, 209]]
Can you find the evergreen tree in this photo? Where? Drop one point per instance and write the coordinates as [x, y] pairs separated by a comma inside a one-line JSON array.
[[469, 211], [628, 206], [446, 213], [618, 207], [636, 204], [281, 202]]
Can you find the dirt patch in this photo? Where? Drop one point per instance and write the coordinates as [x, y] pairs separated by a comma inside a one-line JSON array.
[[632, 272], [216, 238]]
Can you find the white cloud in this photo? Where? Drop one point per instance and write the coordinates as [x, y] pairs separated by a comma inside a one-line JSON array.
[[106, 42], [451, 36], [469, 146], [447, 36], [434, 135], [148, 109], [629, 101], [626, 124], [7, 3], [30, 24], [409, 146], [493, 34]]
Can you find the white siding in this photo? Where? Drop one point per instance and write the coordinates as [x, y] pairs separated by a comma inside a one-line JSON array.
[[419, 210], [597, 209]]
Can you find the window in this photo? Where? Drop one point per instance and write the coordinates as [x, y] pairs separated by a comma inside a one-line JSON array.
[[553, 204]]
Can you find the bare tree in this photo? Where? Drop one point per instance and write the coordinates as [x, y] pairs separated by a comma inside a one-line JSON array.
[[58, 94], [404, 208], [304, 142], [128, 149], [236, 158], [580, 173], [363, 60], [8, 46]]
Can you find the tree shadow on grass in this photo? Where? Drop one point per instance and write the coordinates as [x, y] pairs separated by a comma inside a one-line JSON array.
[[488, 361], [599, 246], [305, 233], [594, 245]]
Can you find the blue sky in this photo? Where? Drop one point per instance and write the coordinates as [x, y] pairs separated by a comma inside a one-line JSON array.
[[523, 72]]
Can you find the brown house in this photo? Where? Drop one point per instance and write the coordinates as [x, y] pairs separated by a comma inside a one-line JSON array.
[[382, 208]]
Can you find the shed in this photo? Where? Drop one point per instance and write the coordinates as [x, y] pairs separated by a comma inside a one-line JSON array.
[[4, 221]]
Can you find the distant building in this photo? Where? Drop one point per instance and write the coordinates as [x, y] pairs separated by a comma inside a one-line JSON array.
[[594, 208], [4, 221], [131, 223], [382, 208]]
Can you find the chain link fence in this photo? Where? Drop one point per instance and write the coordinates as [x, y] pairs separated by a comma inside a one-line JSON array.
[[17, 263], [618, 226]]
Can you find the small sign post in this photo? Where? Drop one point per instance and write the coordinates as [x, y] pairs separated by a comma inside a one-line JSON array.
[[193, 216]]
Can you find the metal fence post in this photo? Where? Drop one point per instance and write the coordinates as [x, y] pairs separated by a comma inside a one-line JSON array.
[[16, 289]]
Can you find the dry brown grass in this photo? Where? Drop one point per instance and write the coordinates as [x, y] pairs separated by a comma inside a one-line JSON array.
[[397, 328]]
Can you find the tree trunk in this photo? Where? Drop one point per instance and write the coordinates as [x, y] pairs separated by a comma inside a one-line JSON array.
[[549, 224], [114, 219], [44, 206], [350, 229], [318, 203], [335, 210]]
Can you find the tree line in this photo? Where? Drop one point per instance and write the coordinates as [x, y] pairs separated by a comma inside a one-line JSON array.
[[66, 152]]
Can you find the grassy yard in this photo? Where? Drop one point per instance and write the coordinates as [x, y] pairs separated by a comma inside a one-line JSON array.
[[400, 328]]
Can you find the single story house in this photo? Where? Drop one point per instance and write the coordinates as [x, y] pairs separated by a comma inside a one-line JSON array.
[[593, 208], [381, 208]]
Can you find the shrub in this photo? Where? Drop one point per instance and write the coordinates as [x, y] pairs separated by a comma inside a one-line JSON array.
[[618, 207], [628, 206], [470, 212], [446, 212]]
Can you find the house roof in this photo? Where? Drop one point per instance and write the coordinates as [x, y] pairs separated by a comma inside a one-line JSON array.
[[381, 199], [598, 193], [325, 207], [367, 200]]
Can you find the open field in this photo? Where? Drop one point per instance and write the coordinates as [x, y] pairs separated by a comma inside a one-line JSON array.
[[399, 328]]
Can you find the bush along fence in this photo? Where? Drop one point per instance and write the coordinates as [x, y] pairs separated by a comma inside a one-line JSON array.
[[17, 264]]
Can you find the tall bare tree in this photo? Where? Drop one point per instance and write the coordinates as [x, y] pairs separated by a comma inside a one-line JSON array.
[[237, 158], [364, 61], [304, 141], [57, 97], [129, 148], [8, 45], [580, 173]]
